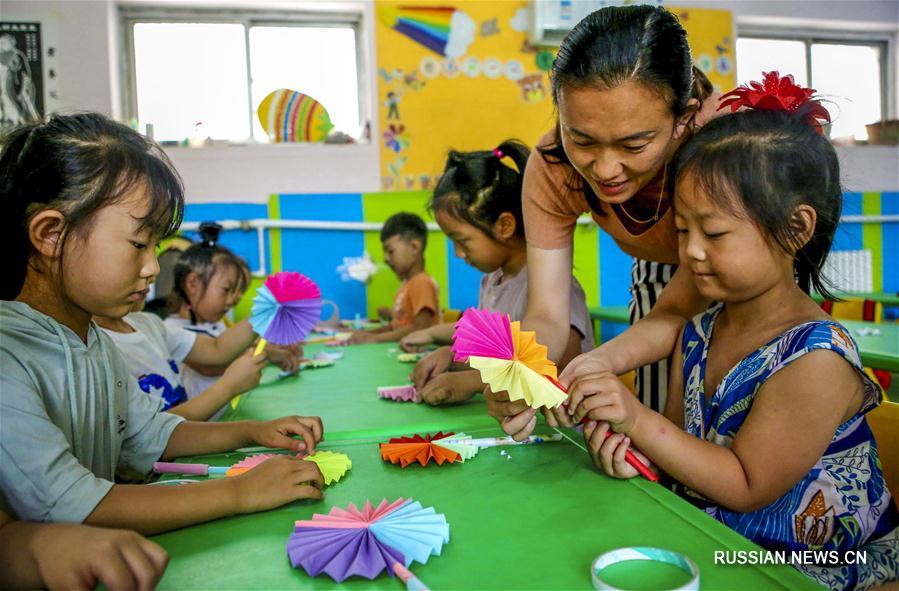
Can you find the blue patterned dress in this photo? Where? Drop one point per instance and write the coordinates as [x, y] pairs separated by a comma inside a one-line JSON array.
[[842, 503]]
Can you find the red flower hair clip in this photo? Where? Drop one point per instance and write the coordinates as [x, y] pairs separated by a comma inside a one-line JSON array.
[[776, 94]]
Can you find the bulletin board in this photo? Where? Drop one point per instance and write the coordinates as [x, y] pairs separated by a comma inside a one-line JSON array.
[[462, 75]]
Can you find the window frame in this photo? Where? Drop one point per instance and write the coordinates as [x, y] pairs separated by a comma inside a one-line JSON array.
[[131, 15], [882, 39]]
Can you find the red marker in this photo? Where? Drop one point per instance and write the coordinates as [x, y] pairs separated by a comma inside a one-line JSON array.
[[631, 459]]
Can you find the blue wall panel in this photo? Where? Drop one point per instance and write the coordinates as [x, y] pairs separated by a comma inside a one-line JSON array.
[[244, 244], [849, 236], [318, 253], [889, 205], [464, 280]]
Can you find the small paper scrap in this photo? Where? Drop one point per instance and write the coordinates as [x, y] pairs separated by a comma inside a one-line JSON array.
[[410, 357], [399, 393]]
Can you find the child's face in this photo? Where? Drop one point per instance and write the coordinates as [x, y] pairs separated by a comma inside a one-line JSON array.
[[471, 244], [729, 257], [401, 255], [219, 296], [617, 139], [108, 268]]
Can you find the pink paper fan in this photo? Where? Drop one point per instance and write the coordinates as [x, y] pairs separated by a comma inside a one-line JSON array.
[[482, 333], [289, 286], [399, 393]]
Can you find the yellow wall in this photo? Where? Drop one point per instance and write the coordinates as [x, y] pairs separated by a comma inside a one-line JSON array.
[[497, 86]]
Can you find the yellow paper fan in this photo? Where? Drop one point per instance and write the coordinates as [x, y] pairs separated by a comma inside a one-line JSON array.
[[519, 380], [332, 465]]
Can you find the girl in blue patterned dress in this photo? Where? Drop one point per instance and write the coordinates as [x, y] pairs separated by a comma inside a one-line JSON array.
[[765, 426]]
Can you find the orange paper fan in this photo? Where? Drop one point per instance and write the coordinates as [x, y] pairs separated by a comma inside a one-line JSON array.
[[407, 450]]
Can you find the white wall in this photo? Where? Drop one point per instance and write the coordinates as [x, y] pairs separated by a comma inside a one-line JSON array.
[[89, 64]]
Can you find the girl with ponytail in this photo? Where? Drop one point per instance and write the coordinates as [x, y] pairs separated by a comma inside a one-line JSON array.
[[477, 204]]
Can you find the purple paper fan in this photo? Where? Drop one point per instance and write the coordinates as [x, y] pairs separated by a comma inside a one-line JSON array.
[[341, 552]]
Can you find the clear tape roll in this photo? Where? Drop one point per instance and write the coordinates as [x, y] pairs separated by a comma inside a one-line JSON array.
[[607, 559]]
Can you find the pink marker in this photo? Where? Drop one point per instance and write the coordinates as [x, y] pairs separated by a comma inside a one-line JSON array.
[[413, 583]]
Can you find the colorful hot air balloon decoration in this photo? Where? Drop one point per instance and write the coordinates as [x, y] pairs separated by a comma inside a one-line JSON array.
[[291, 116]]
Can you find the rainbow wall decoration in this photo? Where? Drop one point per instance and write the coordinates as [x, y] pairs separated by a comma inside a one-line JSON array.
[[442, 29], [291, 116]]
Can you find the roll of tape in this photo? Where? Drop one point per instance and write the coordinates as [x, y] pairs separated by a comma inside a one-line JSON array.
[[606, 560]]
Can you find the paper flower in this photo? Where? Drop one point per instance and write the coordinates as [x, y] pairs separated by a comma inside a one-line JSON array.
[[332, 465], [286, 308], [399, 393], [348, 542], [396, 138], [357, 268], [774, 93], [406, 450], [507, 358]]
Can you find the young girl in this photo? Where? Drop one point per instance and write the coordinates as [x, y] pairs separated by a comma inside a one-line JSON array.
[[477, 203], [209, 280], [85, 202], [153, 351], [765, 422]]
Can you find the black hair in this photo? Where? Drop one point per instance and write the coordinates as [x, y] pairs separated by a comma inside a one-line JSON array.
[[766, 163], [477, 187], [614, 45], [205, 258], [77, 164], [407, 226]]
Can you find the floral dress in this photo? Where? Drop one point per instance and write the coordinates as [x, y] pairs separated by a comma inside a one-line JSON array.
[[842, 503]]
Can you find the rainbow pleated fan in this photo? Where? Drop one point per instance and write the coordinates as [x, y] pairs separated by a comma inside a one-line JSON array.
[[348, 542], [291, 116], [286, 308], [507, 357], [441, 447], [429, 26], [333, 465]]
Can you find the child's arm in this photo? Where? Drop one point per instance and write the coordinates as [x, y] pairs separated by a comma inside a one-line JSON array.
[[152, 509], [242, 375], [423, 319], [441, 334], [210, 356], [769, 454], [71, 556], [449, 388], [192, 438]]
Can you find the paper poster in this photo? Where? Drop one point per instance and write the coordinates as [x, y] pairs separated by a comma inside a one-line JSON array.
[[21, 73]]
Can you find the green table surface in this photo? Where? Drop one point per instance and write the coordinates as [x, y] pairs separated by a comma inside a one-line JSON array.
[[877, 351], [345, 396], [535, 521]]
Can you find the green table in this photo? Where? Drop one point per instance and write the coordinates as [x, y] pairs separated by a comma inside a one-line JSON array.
[[879, 352], [535, 521], [345, 396]]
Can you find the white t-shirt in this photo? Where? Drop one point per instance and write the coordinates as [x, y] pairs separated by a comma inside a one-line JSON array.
[[153, 354], [196, 383]]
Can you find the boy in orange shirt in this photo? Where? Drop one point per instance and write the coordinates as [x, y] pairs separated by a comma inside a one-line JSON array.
[[416, 306]]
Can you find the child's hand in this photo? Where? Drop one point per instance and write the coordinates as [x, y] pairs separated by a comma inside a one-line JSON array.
[[286, 357], [416, 341], [586, 363], [515, 418], [608, 454], [278, 433], [385, 313], [245, 372], [70, 556], [431, 366], [360, 337], [603, 397], [445, 389], [277, 481]]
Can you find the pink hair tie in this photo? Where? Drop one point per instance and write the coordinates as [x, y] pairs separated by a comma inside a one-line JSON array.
[[498, 153]]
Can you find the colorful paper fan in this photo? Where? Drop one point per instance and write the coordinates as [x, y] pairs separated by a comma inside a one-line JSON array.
[[348, 542], [507, 357], [291, 116], [399, 393], [286, 307], [332, 465], [406, 450]]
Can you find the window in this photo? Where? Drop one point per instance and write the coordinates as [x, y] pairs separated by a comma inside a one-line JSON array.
[[198, 74], [849, 74]]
